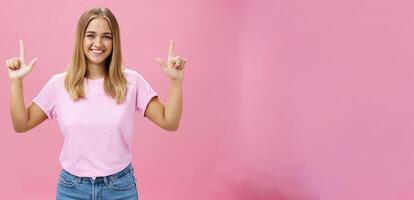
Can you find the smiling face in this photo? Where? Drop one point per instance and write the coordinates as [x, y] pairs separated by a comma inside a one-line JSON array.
[[97, 43]]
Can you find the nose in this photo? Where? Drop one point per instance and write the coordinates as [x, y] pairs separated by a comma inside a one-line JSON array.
[[97, 42]]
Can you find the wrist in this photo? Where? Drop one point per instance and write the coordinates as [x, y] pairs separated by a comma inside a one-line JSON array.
[[176, 81], [16, 80]]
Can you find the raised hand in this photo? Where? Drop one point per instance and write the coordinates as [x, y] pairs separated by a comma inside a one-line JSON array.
[[17, 67], [174, 67]]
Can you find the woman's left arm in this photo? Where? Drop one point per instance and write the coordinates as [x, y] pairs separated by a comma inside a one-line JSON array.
[[168, 117]]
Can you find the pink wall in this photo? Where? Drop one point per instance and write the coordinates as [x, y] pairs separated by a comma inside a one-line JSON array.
[[328, 98], [284, 100]]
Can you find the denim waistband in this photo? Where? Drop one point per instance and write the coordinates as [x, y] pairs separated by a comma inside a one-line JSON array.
[[110, 178]]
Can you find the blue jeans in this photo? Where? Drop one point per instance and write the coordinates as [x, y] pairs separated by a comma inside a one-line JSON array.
[[121, 185]]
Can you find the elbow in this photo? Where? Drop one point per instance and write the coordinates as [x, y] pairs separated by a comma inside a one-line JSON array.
[[172, 127], [19, 129]]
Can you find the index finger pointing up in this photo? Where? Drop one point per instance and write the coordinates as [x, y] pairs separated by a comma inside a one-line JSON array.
[[21, 50], [171, 49]]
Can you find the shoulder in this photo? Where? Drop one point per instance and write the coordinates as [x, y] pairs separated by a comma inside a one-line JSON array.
[[57, 79], [60, 76], [132, 76]]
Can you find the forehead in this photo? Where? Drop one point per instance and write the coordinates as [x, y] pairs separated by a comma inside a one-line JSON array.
[[99, 25]]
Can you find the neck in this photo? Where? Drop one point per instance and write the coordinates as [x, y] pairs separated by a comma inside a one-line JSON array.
[[95, 71]]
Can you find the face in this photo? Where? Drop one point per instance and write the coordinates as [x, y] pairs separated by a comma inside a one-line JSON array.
[[97, 43]]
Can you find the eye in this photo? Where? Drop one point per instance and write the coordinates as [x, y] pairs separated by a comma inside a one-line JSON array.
[[90, 36], [107, 37]]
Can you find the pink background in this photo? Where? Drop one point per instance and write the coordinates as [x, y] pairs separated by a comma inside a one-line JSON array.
[[283, 100]]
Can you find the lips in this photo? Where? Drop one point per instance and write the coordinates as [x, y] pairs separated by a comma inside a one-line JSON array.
[[97, 52]]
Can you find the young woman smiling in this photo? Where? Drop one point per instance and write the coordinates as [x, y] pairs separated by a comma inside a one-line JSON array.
[[94, 102]]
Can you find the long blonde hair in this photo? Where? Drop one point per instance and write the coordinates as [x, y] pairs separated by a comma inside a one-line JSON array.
[[115, 84]]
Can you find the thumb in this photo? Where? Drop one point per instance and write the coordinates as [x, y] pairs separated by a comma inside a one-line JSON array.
[[33, 62], [161, 62]]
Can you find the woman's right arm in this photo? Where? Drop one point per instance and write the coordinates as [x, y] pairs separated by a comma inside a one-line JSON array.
[[23, 118]]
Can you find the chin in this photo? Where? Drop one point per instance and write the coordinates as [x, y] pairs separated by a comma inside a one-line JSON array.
[[97, 61]]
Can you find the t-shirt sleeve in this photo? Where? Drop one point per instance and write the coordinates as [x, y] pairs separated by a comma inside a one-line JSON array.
[[144, 94], [46, 99]]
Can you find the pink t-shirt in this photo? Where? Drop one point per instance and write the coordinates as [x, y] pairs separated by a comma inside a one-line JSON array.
[[97, 131]]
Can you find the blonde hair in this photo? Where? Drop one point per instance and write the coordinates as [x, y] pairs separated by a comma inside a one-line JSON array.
[[115, 84]]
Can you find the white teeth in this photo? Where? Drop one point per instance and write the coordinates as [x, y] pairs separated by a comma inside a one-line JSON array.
[[96, 51]]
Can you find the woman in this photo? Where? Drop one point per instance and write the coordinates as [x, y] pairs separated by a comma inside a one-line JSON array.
[[94, 102]]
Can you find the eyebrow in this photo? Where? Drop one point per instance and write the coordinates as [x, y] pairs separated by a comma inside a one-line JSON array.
[[106, 33]]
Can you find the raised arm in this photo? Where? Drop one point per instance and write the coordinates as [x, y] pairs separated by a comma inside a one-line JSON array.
[[23, 118], [168, 117]]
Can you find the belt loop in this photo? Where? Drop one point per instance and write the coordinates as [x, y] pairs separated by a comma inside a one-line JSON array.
[[131, 168], [132, 173], [105, 180], [78, 179]]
